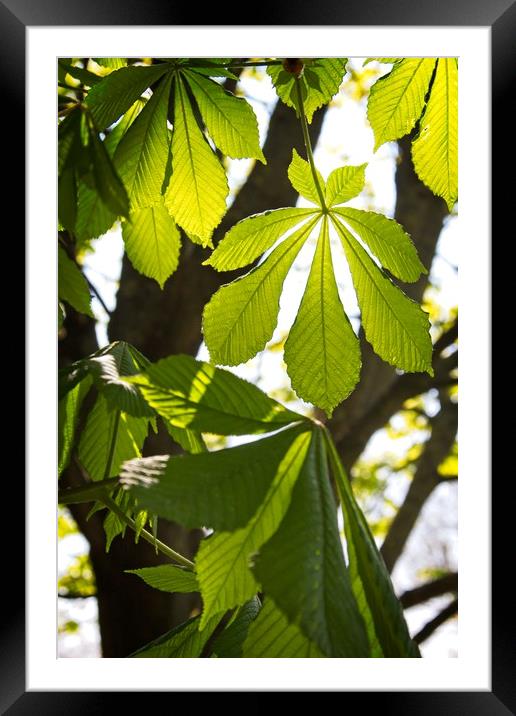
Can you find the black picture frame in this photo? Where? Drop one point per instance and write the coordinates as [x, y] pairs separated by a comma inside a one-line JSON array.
[[500, 16]]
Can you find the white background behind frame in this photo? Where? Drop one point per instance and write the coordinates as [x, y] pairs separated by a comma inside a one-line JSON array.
[[471, 669]]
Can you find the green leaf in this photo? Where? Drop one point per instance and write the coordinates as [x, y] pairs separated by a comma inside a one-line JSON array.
[[114, 63], [229, 644], [222, 489], [322, 352], [381, 610], [60, 315], [396, 326], [113, 525], [89, 79], [435, 150], [301, 178], [241, 316], [230, 120], [302, 567], [271, 636], [196, 395], [152, 241], [181, 642], [324, 79], [384, 60], [168, 578], [387, 240], [96, 440], [397, 99], [251, 237], [107, 367], [67, 199], [72, 286], [141, 156], [68, 418], [112, 97], [107, 182], [223, 559], [93, 216], [196, 195], [190, 440], [344, 184]]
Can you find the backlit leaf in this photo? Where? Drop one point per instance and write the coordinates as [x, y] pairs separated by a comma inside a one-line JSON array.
[[396, 326], [241, 316], [322, 352], [435, 150], [230, 120], [196, 194], [397, 99], [152, 241]]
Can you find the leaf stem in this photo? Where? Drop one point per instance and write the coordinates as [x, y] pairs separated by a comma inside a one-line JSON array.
[[308, 144], [163, 548], [86, 493]]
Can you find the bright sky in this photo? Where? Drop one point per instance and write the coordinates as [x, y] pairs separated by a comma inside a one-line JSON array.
[[346, 137]]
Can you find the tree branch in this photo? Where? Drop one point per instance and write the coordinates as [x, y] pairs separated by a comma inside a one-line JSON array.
[[443, 616], [429, 590], [444, 430], [406, 386]]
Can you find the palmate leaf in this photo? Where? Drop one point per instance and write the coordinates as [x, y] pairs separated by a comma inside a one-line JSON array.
[[251, 237], [223, 560], [396, 326], [152, 241], [168, 578], [241, 316], [196, 194], [397, 99], [112, 97], [229, 120], [381, 610], [322, 352], [193, 394], [302, 567], [181, 642], [435, 150], [272, 636], [141, 157], [72, 285], [320, 81], [222, 489]]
